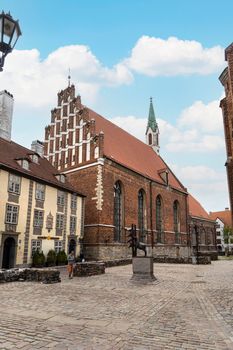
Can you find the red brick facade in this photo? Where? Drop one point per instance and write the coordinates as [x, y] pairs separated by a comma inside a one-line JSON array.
[[97, 156], [226, 104]]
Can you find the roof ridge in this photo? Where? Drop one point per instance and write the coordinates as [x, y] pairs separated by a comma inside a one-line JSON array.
[[17, 144], [105, 118]]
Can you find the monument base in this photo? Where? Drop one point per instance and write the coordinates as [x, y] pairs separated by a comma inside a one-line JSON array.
[[143, 269]]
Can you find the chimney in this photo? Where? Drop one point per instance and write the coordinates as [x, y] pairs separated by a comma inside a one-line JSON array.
[[38, 147], [6, 112]]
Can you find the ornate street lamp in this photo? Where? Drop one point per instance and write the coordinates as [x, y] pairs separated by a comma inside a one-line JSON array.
[[9, 34]]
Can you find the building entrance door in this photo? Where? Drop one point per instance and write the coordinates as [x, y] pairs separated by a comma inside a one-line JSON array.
[[8, 260]]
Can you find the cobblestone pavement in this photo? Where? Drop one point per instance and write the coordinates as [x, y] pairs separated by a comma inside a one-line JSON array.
[[189, 307]]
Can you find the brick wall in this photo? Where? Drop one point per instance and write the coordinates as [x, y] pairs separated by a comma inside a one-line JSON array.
[[97, 182]]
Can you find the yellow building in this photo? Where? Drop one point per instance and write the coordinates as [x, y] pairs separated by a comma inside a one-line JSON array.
[[39, 209]]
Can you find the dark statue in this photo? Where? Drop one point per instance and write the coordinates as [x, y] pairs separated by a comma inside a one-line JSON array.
[[134, 242]]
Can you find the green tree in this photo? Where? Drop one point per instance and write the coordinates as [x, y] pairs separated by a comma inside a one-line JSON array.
[[228, 237]]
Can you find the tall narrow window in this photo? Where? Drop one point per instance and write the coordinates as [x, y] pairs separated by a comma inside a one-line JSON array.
[[150, 139], [12, 212], [14, 184], [159, 219], [118, 211], [176, 219], [141, 215], [60, 198], [40, 191]]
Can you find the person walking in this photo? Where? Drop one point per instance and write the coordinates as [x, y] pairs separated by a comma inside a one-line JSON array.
[[71, 262]]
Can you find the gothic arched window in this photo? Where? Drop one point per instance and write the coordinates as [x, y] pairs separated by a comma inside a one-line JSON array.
[[141, 215], [118, 211], [159, 218], [176, 221]]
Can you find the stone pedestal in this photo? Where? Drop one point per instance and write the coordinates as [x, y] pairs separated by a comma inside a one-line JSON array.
[[143, 269]]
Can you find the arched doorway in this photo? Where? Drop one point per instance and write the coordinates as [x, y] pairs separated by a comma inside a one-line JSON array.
[[72, 246], [8, 260]]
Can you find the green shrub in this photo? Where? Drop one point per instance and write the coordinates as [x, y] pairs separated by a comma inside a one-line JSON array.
[[38, 259], [51, 258], [61, 258]]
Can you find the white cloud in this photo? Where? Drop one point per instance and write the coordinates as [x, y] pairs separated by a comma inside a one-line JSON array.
[[156, 57], [205, 117], [196, 173], [203, 183], [133, 125], [199, 129], [35, 82]]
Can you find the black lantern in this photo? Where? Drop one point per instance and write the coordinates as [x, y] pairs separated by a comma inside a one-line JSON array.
[[9, 34]]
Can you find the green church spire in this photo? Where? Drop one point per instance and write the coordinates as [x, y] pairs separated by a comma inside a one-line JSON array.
[[151, 118]]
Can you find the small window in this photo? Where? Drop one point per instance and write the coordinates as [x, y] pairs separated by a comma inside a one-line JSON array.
[[40, 192], [59, 221], [38, 218], [14, 184], [12, 212], [60, 198], [61, 177], [35, 158], [150, 139], [73, 204], [25, 164], [73, 221], [36, 245], [58, 246]]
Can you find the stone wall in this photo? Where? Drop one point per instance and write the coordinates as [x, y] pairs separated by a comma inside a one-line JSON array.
[[33, 275], [85, 269]]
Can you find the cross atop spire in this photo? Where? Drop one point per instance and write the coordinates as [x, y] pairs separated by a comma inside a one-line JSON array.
[[151, 118]]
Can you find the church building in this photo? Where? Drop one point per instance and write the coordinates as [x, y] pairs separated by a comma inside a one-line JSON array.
[[125, 180]]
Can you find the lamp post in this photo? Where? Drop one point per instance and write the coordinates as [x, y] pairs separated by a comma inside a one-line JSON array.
[[9, 34]]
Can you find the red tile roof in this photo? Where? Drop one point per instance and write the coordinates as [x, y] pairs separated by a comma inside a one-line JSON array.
[[224, 216], [132, 153], [10, 152], [195, 209]]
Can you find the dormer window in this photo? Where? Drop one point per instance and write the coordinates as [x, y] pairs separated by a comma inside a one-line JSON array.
[[61, 178], [35, 158], [25, 164]]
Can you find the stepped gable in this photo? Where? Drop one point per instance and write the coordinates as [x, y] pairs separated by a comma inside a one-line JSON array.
[[11, 153], [224, 216], [195, 209], [132, 153]]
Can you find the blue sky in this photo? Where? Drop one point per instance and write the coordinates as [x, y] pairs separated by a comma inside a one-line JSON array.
[[120, 54]]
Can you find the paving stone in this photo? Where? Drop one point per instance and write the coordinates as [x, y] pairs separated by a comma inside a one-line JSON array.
[[191, 307]]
